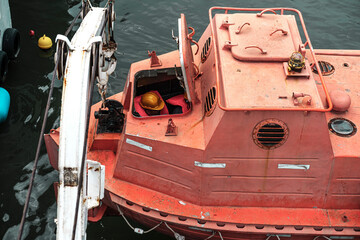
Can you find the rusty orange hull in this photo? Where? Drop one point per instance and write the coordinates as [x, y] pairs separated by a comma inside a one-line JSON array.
[[258, 155]]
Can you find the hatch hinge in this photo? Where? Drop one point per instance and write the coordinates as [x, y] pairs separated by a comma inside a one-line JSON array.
[[225, 23]]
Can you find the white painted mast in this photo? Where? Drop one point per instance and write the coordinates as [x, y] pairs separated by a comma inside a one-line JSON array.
[[73, 122]]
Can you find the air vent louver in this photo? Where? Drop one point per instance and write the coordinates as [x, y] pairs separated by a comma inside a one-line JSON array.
[[325, 67], [209, 104], [206, 50], [270, 134]]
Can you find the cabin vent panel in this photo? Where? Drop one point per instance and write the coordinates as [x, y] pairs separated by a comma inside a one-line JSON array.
[[270, 133], [206, 50], [210, 101]]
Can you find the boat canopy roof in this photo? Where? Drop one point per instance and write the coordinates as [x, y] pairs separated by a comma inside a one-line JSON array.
[[252, 52]]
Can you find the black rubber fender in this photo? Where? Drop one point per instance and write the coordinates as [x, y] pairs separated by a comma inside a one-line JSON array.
[[3, 65], [11, 42]]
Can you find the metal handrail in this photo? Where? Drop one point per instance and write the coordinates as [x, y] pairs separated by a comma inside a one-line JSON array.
[[308, 42]]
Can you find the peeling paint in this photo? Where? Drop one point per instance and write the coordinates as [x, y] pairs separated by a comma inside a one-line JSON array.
[[294, 166], [210, 165]]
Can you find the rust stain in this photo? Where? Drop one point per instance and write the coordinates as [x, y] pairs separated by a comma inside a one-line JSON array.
[[266, 169], [195, 124]]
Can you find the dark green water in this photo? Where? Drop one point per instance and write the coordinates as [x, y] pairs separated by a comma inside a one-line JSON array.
[[140, 26]]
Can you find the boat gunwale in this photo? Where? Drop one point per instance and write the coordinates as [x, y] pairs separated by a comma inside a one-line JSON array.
[[215, 225]]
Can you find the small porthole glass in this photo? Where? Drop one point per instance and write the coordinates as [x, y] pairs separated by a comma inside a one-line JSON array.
[[342, 127]]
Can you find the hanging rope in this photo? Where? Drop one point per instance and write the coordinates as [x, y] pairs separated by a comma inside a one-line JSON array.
[[322, 237], [26, 206], [277, 236], [213, 234], [220, 235], [137, 230], [176, 235]]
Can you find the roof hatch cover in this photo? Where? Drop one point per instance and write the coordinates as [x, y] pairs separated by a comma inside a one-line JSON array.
[[266, 38], [186, 58]]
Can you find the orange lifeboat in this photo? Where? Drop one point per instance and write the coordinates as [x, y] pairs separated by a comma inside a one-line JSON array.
[[252, 147]]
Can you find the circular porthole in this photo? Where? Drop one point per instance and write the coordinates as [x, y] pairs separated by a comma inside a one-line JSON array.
[[342, 127], [270, 133]]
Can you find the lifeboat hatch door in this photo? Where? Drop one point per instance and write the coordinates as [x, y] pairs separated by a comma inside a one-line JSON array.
[[186, 58]]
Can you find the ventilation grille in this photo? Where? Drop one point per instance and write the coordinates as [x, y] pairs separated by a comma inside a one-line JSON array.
[[209, 104], [270, 134], [325, 67], [206, 50]]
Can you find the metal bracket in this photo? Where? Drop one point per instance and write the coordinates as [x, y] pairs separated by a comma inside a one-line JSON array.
[[225, 23], [306, 98], [66, 40], [96, 183], [71, 177], [171, 129], [173, 37], [229, 44], [93, 40], [154, 60]]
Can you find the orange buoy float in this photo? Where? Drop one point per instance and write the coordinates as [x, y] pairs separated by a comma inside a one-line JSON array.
[[45, 42]]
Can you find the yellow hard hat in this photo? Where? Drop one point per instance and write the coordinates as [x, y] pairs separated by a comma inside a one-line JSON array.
[[151, 101]]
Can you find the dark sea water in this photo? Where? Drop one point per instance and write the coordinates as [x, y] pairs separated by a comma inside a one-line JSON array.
[[141, 25]]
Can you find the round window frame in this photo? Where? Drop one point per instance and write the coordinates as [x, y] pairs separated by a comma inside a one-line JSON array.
[[339, 134]]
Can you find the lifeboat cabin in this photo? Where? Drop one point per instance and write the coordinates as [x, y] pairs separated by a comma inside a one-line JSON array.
[[251, 134]]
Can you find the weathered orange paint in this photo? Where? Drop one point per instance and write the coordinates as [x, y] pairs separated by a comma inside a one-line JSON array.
[[154, 178]]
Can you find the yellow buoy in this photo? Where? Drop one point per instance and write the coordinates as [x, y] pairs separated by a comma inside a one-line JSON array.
[[44, 42]]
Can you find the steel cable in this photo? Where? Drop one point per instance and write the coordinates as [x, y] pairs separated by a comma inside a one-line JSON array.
[[26, 206], [92, 80], [81, 177]]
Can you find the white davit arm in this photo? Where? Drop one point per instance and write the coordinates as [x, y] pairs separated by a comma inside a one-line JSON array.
[[73, 123]]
